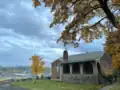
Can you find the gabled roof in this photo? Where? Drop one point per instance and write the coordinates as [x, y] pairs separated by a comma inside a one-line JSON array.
[[84, 57]]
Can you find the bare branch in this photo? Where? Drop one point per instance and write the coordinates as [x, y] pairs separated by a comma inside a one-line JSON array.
[[102, 19], [97, 7], [98, 22]]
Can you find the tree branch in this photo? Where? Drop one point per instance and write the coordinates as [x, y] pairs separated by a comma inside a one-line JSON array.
[[98, 22], [94, 8], [104, 6], [97, 7], [102, 19], [107, 11], [73, 3]]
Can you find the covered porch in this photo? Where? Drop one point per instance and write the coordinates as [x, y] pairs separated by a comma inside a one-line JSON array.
[[79, 72], [79, 68]]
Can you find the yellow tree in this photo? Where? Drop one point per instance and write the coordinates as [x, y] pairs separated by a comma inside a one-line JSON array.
[[37, 65], [116, 61], [113, 47]]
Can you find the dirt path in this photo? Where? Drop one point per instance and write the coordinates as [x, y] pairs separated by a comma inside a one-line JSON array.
[[108, 87], [8, 86]]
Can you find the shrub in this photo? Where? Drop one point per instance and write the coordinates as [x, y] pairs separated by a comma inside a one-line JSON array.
[[12, 80], [17, 80], [37, 78], [118, 79], [29, 78]]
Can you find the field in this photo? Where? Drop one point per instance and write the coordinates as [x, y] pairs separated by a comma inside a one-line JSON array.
[[2, 79], [54, 85]]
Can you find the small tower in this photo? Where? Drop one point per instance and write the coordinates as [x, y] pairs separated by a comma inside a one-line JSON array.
[[65, 55]]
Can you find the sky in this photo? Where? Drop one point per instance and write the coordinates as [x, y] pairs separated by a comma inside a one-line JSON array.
[[24, 31]]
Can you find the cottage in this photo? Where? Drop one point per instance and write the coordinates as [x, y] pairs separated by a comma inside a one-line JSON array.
[[83, 68]]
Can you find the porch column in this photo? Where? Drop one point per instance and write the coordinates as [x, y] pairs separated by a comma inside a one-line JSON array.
[[95, 70], [61, 71], [70, 68], [81, 68]]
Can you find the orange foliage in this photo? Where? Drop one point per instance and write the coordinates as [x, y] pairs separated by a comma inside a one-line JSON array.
[[116, 61], [112, 47], [36, 3], [116, 1]]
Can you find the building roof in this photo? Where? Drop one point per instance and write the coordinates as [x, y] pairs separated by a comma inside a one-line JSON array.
[[84, 57]]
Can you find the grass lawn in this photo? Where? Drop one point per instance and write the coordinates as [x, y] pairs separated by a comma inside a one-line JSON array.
[[54, 85]]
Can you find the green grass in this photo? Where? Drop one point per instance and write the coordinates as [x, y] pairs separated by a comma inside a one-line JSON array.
[[118, 80], [54, 85]]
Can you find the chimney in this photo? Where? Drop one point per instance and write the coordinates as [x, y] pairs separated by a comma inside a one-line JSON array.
[[65, 56]]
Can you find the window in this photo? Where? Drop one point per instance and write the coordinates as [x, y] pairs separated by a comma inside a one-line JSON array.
[[88, 68], [75, 68], [66, 68]]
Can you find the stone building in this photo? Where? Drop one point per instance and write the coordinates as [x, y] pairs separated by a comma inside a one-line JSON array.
[[82, 68]]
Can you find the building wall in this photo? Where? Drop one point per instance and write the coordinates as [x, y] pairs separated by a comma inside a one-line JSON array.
[[55, 74], [106, 64], [82, 79]]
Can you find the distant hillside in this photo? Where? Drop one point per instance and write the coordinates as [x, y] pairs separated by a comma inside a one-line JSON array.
[[13, 69], [20, 69]]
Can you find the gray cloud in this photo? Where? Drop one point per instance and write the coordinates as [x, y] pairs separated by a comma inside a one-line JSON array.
[[25, 30]]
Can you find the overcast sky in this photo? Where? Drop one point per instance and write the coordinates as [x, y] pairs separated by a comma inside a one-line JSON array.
[[25, 30]]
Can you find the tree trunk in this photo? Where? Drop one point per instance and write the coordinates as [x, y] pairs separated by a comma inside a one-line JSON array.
[[35, 79]]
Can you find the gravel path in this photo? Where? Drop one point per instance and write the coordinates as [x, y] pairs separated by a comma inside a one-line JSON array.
[[107, 87], [8, 86]]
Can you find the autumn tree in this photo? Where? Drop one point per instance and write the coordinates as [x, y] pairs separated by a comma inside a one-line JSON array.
[[113, 47], [76, 14], [37, 65]]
